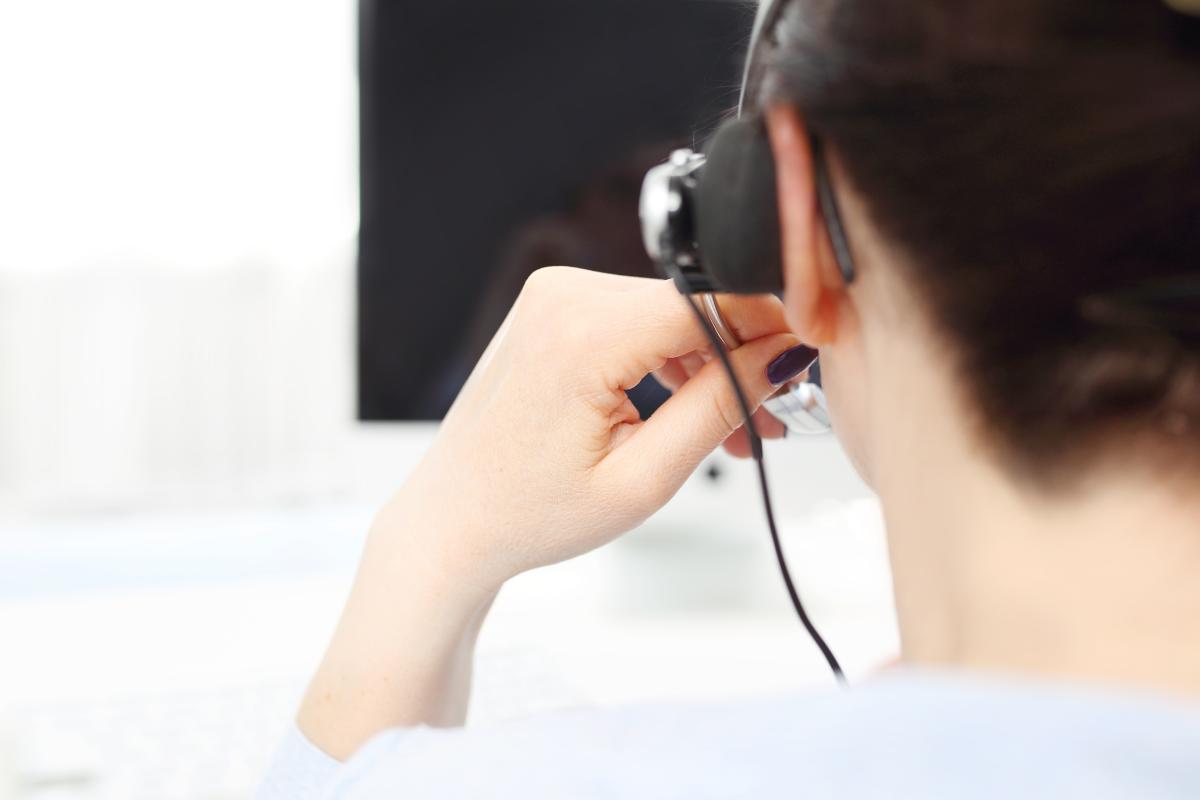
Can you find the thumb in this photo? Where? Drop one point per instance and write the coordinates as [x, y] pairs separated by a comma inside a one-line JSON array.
[[702, 413]]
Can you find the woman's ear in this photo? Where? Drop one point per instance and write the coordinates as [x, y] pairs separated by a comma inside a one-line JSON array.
[[812, 284]]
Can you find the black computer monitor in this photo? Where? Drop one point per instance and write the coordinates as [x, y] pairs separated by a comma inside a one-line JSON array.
[[501, 136]]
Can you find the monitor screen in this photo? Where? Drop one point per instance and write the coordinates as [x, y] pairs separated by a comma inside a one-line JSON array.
[[500, 137]]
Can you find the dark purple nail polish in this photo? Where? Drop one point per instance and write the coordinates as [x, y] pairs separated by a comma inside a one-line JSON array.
[[790, 363]]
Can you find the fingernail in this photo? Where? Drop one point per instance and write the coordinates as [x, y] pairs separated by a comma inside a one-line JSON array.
[[790, 363]]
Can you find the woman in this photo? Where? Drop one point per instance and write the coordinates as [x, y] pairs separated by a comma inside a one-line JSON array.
[[1015, 370]]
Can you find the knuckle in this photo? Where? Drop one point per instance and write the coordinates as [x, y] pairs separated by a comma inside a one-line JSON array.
[[540, 298], [551, 295], [567, 307], [538, 281], [727, 411], [548, 279], [542, 286]]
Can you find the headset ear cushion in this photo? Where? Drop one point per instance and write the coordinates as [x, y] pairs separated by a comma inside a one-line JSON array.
[[737, 210]]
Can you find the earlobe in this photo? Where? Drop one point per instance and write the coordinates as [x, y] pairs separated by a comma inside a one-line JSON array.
[[812, 285]]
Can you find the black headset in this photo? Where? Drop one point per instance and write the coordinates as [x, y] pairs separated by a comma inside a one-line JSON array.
[[710, 222], [714, 216]]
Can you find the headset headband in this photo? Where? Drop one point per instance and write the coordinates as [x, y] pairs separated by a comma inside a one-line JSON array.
[[764, 23]]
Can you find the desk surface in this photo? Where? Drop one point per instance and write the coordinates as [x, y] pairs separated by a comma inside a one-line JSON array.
[[114, 606], [156, 635]]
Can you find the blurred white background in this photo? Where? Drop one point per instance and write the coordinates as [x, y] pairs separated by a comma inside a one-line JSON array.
[[178, 184], [183, 486]]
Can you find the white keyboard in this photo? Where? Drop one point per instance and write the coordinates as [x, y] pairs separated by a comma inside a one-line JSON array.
[[212, 745], [199, 746]]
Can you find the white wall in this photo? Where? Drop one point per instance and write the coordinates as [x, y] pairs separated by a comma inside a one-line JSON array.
[[178, 201]]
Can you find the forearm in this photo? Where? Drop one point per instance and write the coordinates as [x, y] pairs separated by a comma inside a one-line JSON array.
[[542, 458], [403, 649]]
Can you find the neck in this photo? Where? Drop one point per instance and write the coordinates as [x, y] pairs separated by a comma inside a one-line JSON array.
[[1100, 585]]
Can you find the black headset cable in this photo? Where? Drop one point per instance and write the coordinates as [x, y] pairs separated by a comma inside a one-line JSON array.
[[756, 450]]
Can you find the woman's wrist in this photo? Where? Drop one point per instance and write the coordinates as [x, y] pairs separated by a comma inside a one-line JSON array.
[[422, 530], [402, 651]]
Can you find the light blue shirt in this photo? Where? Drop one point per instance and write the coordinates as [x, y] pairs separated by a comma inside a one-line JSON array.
[[908, 734]]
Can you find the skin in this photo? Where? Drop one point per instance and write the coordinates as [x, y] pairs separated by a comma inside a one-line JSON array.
[[542, 458]]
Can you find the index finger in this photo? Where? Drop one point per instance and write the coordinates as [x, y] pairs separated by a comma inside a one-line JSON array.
[[655, 324]]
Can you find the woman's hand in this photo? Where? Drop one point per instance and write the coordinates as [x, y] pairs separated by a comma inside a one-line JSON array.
[[543, 457]]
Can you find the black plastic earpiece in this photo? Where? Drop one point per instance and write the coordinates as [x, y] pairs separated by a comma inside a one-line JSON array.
[[737, 210]]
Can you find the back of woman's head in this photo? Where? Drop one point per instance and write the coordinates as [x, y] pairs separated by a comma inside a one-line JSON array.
[[1036, 164]]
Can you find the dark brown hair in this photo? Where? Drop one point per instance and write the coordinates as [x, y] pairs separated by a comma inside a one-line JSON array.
[[1037, 164]]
